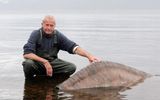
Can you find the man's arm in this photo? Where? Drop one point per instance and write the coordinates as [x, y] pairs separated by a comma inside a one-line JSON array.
[[35, 57], [80, 51], [42, 60]]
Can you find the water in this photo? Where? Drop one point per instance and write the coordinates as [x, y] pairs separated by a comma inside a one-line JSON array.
[[130, 38]]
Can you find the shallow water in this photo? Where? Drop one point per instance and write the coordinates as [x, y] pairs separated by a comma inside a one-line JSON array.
[[128, 38]]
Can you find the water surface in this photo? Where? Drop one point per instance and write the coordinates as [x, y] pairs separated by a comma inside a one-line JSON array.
[[127, 38]]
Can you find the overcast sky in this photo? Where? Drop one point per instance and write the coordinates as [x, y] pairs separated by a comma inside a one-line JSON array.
[[49, 5]]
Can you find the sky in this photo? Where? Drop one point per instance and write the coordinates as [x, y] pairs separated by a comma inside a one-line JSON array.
[[50, 5]]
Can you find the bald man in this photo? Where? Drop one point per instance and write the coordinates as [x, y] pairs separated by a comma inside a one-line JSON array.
[[42, 47]]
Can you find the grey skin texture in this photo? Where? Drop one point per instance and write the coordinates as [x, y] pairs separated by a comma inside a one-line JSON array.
[[104, 74]]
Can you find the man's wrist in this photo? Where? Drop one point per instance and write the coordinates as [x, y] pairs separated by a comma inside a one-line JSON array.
[[75, 49], [45, 61]]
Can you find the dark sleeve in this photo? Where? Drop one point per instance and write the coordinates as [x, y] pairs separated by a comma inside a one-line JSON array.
[[30, 46], [65, 43]]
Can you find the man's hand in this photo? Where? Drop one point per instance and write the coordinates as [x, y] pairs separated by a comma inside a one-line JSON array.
[[93, 59], [48, 67]]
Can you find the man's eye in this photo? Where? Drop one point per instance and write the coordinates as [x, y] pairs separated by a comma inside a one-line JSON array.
[[47, 24], [51, 25]]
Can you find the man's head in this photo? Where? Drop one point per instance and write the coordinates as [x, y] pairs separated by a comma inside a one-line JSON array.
[[48, 24]]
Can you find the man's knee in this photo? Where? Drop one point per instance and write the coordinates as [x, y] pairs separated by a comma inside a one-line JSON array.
[[63, 67], [71, 68], [28, 62], [28, 66]]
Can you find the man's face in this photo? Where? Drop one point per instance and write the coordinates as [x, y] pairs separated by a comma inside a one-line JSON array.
[[48, 26]]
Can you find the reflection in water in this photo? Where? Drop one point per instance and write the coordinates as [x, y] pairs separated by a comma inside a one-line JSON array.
[[41, 88], [45, 89], [111, 93]]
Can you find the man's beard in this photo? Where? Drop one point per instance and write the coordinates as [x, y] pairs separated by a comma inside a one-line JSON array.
[[48, 35]]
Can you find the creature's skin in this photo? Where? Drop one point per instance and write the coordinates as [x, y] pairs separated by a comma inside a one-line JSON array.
[[104, 74]]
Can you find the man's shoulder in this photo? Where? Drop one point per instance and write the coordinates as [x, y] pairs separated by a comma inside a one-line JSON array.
[[58, 33], [35, 34], [36, 31]]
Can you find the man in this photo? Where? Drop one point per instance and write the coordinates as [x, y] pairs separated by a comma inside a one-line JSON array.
[[40, 52]]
